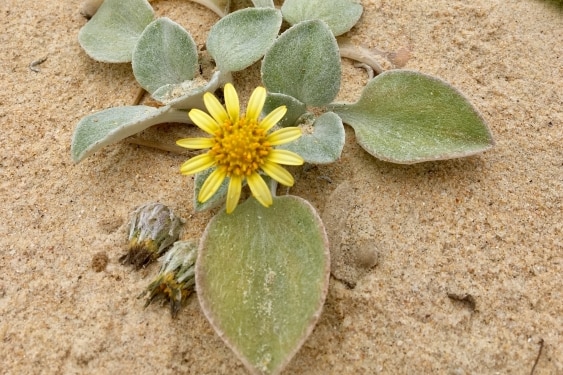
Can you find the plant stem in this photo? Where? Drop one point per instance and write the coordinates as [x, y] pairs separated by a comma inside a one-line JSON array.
[[359, 54], [139, 96], [171, 115]]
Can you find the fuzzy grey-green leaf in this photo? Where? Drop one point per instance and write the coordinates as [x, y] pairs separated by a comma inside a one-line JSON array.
[[112, 125], [304, 62], [241, 38], [262, 277], [322, 142], [164, 55], [113, 31], [294, 108], [408, 117], [340, 15]]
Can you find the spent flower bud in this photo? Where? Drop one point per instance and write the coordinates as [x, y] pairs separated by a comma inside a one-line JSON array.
[[176, 279], [153, 228]]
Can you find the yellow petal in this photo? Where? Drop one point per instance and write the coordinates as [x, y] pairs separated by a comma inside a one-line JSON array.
[[204, 121], [211, 184], [284, 157], [197, 164], [260, 189], [256, 103], [233, 194], [196, 143], [231, 102], [284, 135], [215, 108], [273, 118], [280, 174]]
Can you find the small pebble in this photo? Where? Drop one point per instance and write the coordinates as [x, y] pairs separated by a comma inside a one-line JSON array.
[[367, 255], [100, 261]]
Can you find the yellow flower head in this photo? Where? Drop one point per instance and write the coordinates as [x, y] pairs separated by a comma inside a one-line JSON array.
[[240, 147]]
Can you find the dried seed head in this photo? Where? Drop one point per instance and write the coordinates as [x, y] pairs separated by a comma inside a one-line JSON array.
[[153, 228], [175, 280]]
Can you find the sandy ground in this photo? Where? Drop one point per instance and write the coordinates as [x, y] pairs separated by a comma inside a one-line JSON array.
[[488, 226]]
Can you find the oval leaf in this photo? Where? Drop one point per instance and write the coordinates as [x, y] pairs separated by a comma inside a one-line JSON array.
[[340, 15], [262, 277], [304, 63], [322, 142], [295, 108], [112, 125], [408, 117], [241, 38], [113, 31], [165, 54]]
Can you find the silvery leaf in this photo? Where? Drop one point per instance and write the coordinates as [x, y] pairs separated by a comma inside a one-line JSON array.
[[304, 63], [164, 55], [340, 15], [241, 38], [113, 31], [408, 117]]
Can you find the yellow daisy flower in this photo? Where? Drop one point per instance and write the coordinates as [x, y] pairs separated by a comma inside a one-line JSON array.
[[240, 147]]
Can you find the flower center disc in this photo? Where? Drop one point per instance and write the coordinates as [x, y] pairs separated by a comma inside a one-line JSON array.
[[241, 147]]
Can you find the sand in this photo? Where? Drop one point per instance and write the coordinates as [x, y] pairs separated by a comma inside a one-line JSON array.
[[469, 252]]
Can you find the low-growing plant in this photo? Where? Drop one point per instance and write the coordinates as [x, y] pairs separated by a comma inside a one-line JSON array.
[[262, 268]]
